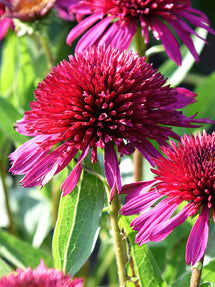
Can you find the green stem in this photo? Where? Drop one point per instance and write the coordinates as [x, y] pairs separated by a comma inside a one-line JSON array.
[[119, 242], [140, 48], [44, 42], [139, 45], [196, 274]]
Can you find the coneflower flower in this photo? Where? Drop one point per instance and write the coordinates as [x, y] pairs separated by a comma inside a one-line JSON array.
[[115, 22], [102, 98], [29, 11], [185, 176], [40, 277]]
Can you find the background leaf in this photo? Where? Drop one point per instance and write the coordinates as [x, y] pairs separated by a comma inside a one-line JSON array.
[[20, 253]]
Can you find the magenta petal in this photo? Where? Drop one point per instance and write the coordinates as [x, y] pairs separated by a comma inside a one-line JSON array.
[[4, 26], [185, 37], [81, 27], [44, 169], [71, 181], [91, 36], [28, 154], [112, 170], [164, 228], [168, 40], [197, 241], [140, 203]]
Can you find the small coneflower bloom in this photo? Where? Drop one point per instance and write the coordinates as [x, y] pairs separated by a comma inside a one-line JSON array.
[[29, 11], [100, 98], [115, 23], [186, 175], [40, 277]]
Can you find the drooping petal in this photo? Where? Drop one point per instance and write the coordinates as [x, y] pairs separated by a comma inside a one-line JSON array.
[[28, 154], [198, 239], [71, 181], [112, 170], [81, 27]]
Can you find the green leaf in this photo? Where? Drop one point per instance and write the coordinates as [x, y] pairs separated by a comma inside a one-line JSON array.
[[184, 280], [208, 272], [207, 284], [78, 223], [8, 116], [20, 253], [4, 268], [144, 266]]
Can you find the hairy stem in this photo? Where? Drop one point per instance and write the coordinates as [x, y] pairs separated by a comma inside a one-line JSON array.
[[119, 242], [196, 274]]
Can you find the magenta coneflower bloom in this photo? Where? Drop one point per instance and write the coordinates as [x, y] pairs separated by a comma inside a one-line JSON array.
[[29, 11], [40, 277], [115, 23], [185, 175], [102, 98]]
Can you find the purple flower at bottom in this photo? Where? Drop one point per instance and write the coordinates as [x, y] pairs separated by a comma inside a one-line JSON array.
[[102, 98], [40, 277], [185, 175], [115, 22]]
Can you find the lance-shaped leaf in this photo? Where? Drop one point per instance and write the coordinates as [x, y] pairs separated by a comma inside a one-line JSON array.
[[142, 267], [78, 223]]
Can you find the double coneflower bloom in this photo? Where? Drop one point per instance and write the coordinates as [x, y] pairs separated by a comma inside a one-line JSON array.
[[101, 98], [185, 184], [115, 22]]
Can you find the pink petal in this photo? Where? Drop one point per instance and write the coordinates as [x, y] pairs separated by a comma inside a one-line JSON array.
[[71, 181], [140, 203], [185, 37], [91, 36], [112, 170], [166, 227], [27, 155], [81, 27], [4, 26], [168, 40], [197, 241]]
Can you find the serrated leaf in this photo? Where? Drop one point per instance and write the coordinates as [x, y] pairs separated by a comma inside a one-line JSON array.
[[144, 266], [78, 224], [20, 253]]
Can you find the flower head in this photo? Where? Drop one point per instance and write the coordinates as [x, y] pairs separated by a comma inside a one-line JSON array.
[[116, 22], [40, 277], [185, 175], [29, 11], [101, 98]]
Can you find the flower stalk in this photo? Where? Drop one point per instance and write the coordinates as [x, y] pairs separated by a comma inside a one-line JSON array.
[[140, 48], [119, 242], [196, 273]]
